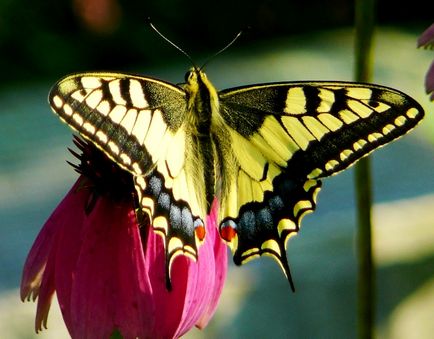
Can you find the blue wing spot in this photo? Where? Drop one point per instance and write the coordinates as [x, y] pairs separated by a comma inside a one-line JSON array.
[[155, 185], [276, 203], [186, 219], [248, 222], [175, 216], [164, 201], [264, 218]]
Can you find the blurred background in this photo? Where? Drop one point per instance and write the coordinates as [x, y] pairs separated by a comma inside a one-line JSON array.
[[40, 41]]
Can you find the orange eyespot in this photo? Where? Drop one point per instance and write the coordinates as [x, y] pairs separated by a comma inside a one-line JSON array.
[[228, 230], [200, 232]]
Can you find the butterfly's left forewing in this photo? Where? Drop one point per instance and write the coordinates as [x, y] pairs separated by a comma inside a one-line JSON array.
[[283, 138], [140, 124]]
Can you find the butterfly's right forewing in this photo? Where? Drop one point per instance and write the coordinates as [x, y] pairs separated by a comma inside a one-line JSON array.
[[132, 119]]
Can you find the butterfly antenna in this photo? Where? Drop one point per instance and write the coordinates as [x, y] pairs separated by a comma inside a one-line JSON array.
[[170, 42], [222, 50]]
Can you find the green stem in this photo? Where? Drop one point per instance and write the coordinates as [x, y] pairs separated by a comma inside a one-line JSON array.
[[366, 273], [364, 18]]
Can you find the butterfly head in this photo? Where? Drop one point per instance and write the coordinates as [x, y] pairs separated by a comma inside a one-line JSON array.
[[194, 76], [202, 96], [197, 84]]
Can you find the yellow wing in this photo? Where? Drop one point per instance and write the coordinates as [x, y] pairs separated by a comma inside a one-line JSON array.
[[277, 140], [140, 124]]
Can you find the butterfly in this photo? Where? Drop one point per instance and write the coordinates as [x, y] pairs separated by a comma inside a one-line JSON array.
[[261, 150]]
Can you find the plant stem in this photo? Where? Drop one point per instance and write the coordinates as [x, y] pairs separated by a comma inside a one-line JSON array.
[[364, 21]]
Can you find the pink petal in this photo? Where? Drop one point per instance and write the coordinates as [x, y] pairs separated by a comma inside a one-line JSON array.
[[427, 38], [96, 265], [171, 307], [429, 81], [200, 286], [46, 291], [39, 270], [168, 305], [195, 292], [221, 265], [70, 241], [210, 272], [110, 289], [37, 258]]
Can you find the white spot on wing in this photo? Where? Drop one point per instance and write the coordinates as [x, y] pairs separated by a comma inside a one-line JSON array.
[[400, 121], [129, 120], [141, 182], [117, 113], [327, 99], [113, 147], [57, 101], [137, 95], [297, 131], [412, 113], [315, 173], [88, 127], [102, 137], [331, 122], [94, 99], [359, 93], [142, 125], [345, 154], [388, 128], [90, 82], [315, 127], [331, 164], [347, 116], [360, 144], [295, 101], [77, 95], [78, 119], [115, 91], [360, 109], [176, 153], [104, 107], [67, 110], [137, 168], [277, 138], [374, 136], [155, 133], [125, 159]]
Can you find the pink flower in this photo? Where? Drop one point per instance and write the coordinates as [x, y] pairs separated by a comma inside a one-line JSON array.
[[109, 274], [427, 40]]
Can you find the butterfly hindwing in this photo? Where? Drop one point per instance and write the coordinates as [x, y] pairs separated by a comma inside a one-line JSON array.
[[139, 123], [171, 216], [283, 138]]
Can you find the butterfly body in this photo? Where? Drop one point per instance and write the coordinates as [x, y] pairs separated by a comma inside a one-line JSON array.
[[201, 123], [261, 150]]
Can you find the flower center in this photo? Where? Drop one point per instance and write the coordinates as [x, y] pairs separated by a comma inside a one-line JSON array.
[[101, 175]]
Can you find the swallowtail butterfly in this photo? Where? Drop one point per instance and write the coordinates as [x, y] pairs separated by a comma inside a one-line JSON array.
[[261, 150]]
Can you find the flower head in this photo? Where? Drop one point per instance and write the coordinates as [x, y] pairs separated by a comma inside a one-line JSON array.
[[109, 272], [427, 40]]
